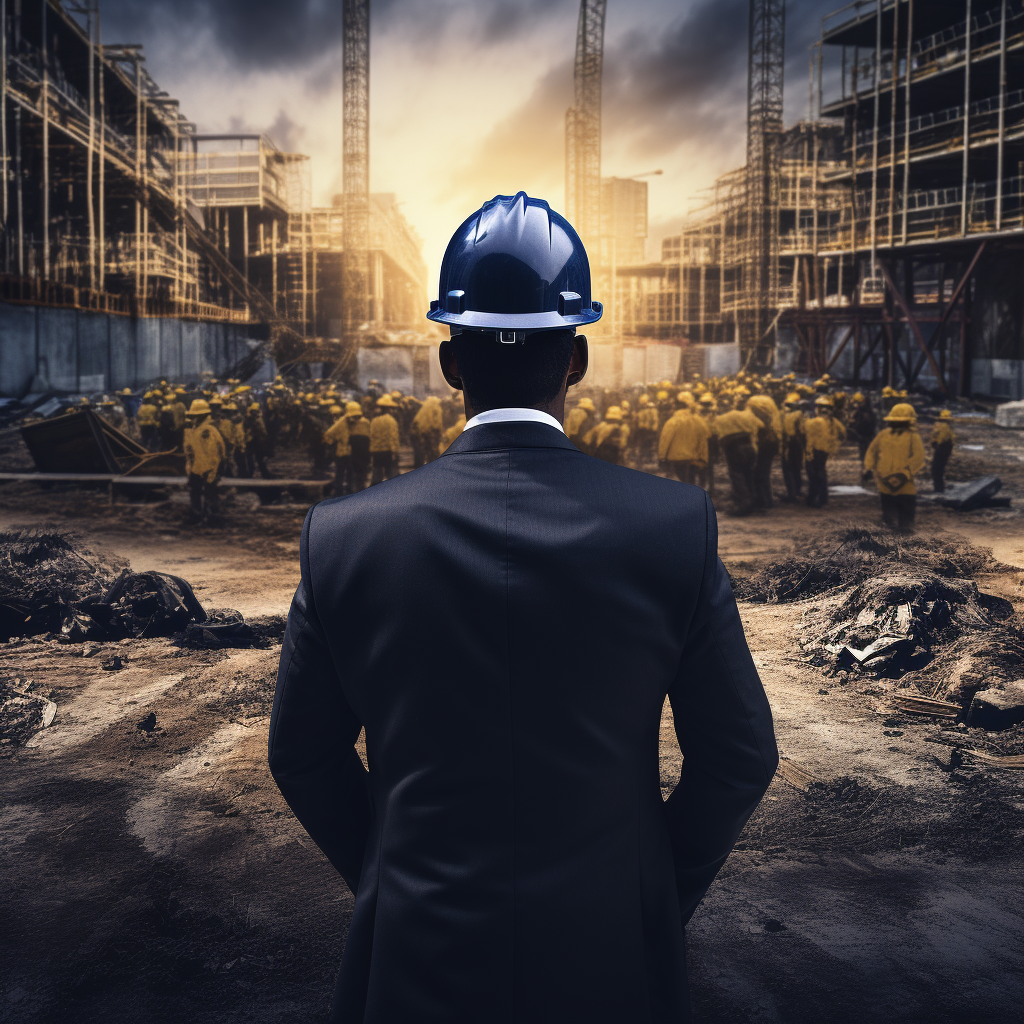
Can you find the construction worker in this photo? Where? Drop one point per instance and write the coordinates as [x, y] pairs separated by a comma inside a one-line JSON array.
[[168, 439], [608, 440], [384, 440], [942, 449], [823, 434], [862, 425], [337, 438], [793, 446], [895, 457], [647, 422], [769, 444], [579, 422], [707, 409], [221, 422], [359, 441], [234, 415], [177, 407], [683, 445], [149, 420], [127, 400], [738, 431], [451, 433], [204, 455], [257, 441], [425, 431], [666, 406]]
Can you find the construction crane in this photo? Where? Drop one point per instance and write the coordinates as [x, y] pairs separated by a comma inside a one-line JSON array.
[[356, 169], [767, 57], [583, 128]]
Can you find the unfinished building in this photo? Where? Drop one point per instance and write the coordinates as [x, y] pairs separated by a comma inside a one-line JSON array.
[[133, 247], [896, 223]]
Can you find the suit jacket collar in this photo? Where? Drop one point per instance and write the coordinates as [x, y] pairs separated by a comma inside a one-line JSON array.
[[520, 434]]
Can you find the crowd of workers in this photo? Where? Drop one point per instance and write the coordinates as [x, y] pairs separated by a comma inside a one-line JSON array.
[[747, 422], [744, 423]]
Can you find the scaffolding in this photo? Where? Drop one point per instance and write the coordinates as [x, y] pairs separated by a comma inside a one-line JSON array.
[[356, 167]]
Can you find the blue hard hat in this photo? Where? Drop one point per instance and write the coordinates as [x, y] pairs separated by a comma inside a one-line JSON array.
[[515, 265]]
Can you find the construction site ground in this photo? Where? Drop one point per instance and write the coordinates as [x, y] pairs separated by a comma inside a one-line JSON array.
[[159, 876]]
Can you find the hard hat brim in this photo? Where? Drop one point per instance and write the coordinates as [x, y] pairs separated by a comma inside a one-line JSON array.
[[515, 321]]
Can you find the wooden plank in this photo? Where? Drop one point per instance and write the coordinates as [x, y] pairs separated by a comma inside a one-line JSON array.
[[796, 774], [154, 481]]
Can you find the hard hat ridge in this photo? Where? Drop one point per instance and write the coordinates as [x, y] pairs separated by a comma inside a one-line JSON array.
[[517, 265]]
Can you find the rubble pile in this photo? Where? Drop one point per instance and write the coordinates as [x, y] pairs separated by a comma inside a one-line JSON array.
[[23, 711], [49, 586], [849, 556]]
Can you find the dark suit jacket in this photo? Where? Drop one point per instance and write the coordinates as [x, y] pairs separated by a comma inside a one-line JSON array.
[[506, 622]]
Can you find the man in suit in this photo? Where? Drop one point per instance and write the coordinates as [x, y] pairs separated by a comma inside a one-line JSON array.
[[505, 623]]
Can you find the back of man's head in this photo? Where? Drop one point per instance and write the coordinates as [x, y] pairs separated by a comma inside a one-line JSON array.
[[524, 375]]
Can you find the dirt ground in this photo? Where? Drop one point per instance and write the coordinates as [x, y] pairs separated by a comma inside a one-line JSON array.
[[159, 876]]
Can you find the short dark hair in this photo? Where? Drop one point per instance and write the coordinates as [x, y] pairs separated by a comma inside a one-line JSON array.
[[524, 375]]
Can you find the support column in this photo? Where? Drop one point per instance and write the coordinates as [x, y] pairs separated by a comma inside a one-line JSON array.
[[102, 277], [46, 150], [3, 129], [1002, 117], [90, 199], [906, 116], [967, 120], [874, 136]]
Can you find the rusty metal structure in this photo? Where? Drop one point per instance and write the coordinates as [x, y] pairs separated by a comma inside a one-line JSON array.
[[899, 212], [356, 165], [583, 127]]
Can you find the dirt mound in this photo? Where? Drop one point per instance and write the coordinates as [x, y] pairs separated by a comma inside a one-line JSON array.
[[45, 576], [52, 586], [849, 556], [951, 635]]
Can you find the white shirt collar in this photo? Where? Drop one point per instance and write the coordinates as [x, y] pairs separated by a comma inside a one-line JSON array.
[[513, 416]]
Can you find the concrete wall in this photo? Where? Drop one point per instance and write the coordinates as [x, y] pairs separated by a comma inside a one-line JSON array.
[[998, 378], [74, 350]]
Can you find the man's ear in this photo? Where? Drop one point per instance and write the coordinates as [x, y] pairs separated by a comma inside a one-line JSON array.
[[449, 364], [579, 362]]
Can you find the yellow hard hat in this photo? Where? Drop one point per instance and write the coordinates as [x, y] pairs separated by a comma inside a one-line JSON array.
[[858, 396], [792, 398], [353, 409], [887, 392], [587, 404], [386, 402], [825, 402], [231, 407], [662, 395], [666, 384], [126, 392], [945, 415], [685, 398], [335, 410], [200, 407], [707, 398], [396, 393], [643, 399], [903, 412], [216, 400], [613, 413], [625, 405]]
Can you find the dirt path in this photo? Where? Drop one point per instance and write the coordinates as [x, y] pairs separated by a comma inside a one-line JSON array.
[[160, 877]]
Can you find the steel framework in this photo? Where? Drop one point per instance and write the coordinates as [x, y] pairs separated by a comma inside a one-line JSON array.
[[583, 127], [356, 166], [764, 130]]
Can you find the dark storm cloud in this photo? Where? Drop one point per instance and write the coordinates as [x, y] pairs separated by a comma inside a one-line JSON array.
[[273, 34], [689, 81], [264, 33]]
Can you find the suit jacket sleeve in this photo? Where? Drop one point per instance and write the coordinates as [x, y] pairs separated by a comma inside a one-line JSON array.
[[724, 726], [313, 731]]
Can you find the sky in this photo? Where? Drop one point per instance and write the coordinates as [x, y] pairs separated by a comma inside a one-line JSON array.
[[468, 97]]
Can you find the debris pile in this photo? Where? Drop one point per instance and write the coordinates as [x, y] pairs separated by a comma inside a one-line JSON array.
[[894, 622], [23, 711], [49, 586], [849, 556]]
